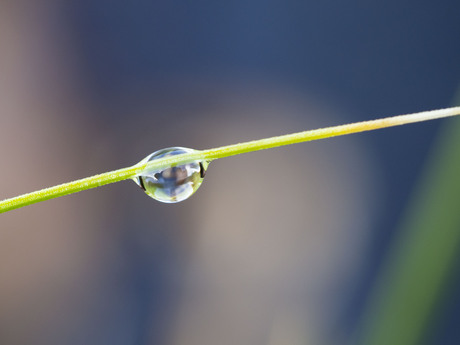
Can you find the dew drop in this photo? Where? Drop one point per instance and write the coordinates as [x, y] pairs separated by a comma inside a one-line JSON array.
[[175, 183]]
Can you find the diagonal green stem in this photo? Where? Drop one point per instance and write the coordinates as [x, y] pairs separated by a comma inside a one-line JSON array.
[[220, 152]]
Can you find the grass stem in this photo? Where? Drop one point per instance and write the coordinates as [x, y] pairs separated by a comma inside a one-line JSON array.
[[220, 152]]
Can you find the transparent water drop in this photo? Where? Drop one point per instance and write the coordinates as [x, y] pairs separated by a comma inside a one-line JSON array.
[[175, 183]]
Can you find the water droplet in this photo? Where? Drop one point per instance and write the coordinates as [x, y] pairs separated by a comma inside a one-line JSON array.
[[175, 183]]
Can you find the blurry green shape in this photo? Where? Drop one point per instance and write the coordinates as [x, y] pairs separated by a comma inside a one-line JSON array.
[[417, 270]]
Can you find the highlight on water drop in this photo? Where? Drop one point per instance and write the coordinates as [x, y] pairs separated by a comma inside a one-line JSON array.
[[175, 183]]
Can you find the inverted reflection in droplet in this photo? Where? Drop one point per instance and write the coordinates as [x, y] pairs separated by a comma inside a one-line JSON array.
[[175, 183]]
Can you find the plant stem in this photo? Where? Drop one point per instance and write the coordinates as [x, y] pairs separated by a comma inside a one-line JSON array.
[[220, 152]]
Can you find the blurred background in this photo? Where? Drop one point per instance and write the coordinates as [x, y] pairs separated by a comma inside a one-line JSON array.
[[285, 246]]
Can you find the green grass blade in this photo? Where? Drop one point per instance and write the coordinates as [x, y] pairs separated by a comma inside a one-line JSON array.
[[420, 262], [220, 152]]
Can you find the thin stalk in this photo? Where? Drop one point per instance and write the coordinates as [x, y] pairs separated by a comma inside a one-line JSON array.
[[220, 152]]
